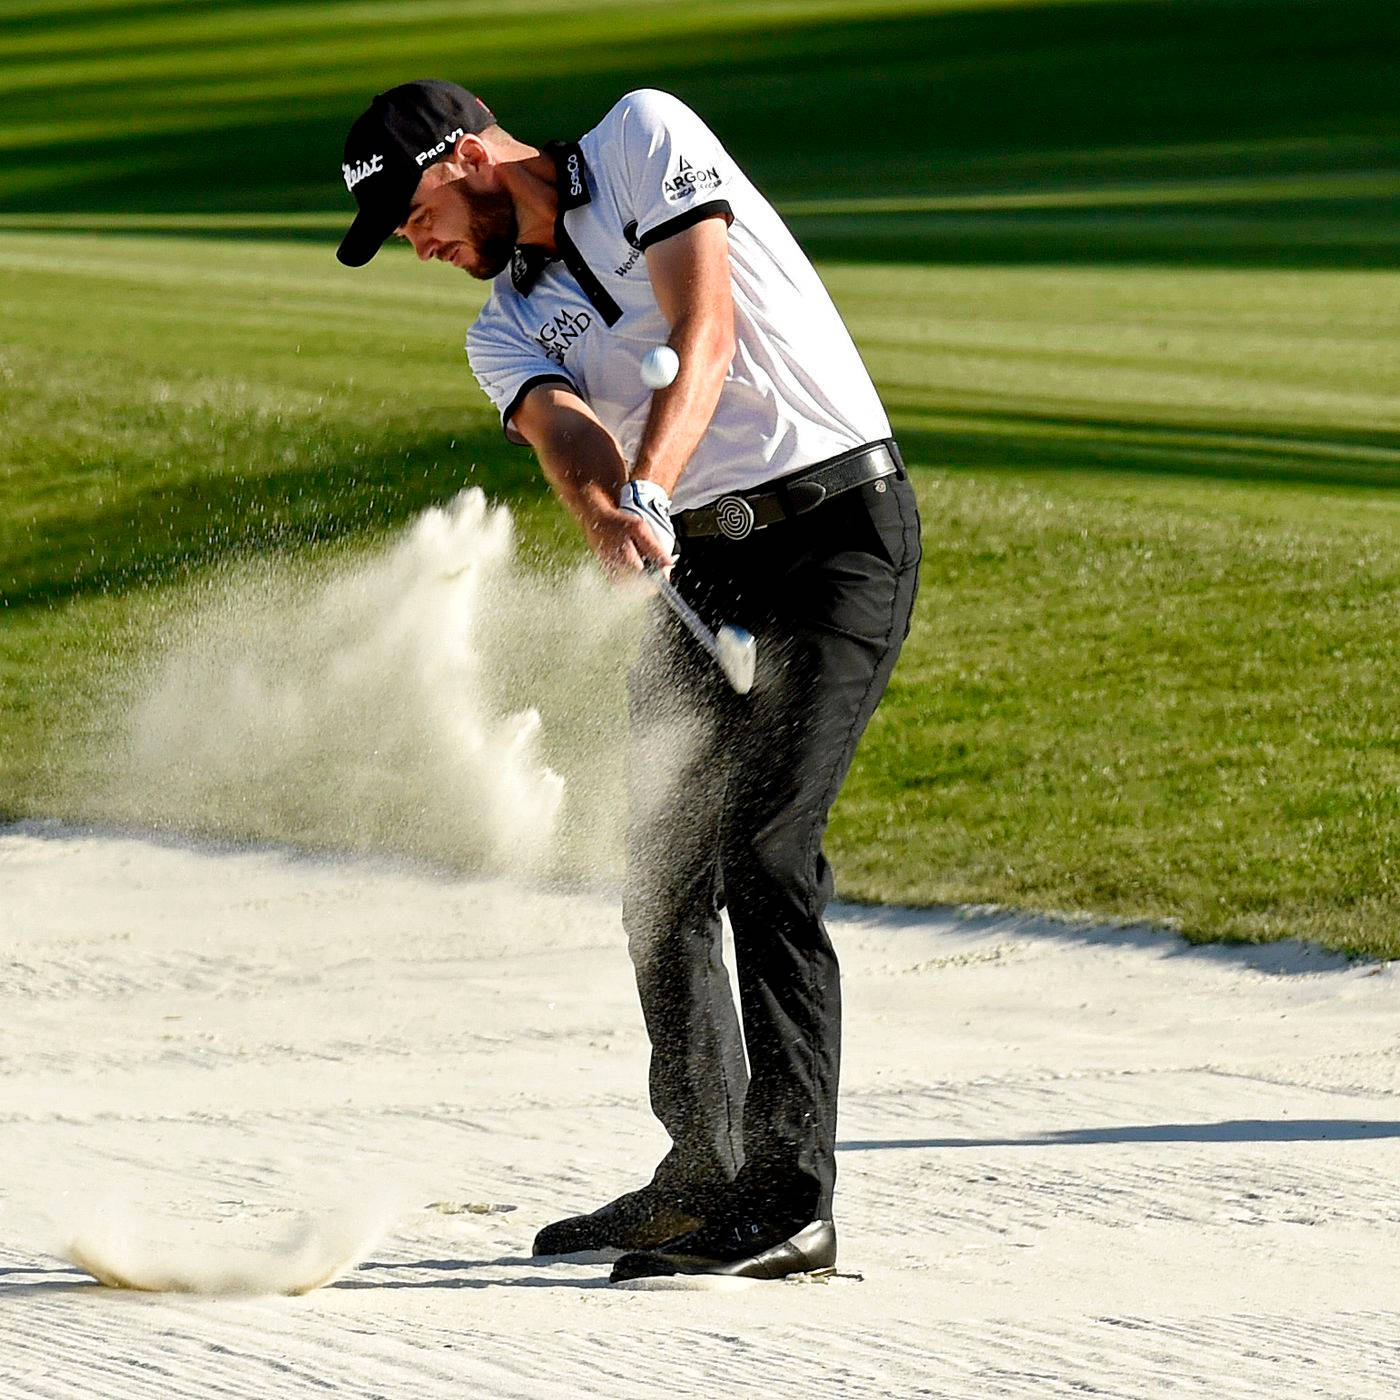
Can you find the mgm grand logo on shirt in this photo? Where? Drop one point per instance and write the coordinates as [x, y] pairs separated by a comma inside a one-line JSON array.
[[688, 179], [555, 337]]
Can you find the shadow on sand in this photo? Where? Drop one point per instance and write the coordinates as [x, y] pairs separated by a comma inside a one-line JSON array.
[[1231, 1130], [452, 1273], [1282, 958], [29, 1281]]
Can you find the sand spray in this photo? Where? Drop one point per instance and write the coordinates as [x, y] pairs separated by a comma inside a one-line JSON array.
[[122, 1236], [434, 698]]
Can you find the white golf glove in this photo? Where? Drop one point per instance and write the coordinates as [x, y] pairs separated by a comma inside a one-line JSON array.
[[647, 501]]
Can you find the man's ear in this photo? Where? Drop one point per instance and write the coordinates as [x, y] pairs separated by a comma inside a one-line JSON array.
[[470, 156]]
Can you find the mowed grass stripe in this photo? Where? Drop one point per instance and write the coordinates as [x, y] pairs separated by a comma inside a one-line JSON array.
[[1148, 686], [1329, 186], [219, 54], [1219, 130], [61, 27]]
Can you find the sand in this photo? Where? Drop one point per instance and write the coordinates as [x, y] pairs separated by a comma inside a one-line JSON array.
[[1073, 1160]]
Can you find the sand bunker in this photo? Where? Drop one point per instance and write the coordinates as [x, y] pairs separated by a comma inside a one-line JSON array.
[[1072, 1160]]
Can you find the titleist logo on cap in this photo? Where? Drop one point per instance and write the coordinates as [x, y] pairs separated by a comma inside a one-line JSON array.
[[362, 170]]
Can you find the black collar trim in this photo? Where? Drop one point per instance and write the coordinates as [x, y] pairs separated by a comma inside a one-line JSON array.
[[528, 261], [570, 174], [527, 264]]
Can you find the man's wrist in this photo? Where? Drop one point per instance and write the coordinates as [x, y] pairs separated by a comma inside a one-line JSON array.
[[649, 491], [649, 503], [656, 472], [597, 499]]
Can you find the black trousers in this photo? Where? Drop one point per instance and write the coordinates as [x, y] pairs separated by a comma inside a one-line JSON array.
[[730, 798]]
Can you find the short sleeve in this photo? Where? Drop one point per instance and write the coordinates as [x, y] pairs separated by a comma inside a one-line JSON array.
[[508, 365], [677, 171]]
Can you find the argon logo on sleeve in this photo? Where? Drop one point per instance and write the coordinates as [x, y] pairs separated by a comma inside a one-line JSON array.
[[690, 179]]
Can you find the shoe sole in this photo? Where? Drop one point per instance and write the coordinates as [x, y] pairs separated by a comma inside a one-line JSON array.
[[812, 1250]]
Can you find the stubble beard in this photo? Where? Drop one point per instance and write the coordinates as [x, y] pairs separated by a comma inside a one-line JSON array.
[[492, 229]]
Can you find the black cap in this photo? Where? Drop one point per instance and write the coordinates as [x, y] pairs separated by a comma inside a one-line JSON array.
[[405, 130]]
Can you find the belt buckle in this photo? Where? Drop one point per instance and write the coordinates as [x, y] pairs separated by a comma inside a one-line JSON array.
[[734, 517]]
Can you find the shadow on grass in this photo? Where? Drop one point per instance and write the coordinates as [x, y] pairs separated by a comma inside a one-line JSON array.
[[164, 530], [1358, 233], [1048, 97], [1004, 439]]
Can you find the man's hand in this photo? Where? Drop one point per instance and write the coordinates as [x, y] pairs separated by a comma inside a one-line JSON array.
[[652, 506], [623, 540]]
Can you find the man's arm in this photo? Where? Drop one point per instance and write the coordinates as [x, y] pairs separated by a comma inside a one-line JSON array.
[[580, 457], [582, 461], [690, 279]]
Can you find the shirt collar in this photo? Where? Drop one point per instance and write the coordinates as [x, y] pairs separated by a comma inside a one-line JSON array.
[[528, 260], [527, 264]]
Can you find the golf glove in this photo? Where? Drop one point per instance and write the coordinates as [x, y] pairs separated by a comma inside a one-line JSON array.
[[648, 501]]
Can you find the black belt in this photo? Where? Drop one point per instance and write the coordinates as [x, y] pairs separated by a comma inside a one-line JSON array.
[[738, 515]]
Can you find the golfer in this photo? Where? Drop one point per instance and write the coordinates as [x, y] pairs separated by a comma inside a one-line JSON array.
[[764, 479]]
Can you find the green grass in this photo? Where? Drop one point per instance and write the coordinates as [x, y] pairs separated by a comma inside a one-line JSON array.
[[1172, 699], [1123, 273], [1152, 674], [1234, 131]]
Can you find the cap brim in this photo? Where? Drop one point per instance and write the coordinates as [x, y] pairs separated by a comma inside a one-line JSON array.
[[365, 237]]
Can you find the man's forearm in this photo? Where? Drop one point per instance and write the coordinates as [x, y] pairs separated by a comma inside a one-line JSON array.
[[585, 489], [579, 457], [690, 276], [582, 461], [681, 413]]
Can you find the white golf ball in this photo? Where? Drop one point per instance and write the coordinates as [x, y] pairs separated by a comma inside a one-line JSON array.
[[660, 365]]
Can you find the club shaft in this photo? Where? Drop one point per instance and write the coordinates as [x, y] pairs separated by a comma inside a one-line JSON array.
[[687, 615]]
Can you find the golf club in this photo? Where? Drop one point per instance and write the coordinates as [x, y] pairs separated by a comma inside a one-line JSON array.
[[733, 649]]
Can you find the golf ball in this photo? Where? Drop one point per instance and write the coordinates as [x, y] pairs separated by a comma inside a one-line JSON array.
[[660, 366]]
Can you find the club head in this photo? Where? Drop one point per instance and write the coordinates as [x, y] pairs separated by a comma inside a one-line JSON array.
[[738, 653]]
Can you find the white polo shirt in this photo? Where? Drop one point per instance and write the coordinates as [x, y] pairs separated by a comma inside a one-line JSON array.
[[796, 392]]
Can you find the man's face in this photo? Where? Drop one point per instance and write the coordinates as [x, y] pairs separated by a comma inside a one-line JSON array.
[[474, 230]]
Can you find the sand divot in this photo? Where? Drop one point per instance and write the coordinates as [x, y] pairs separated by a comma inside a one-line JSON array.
[[139, 1256], [469, 1208]]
